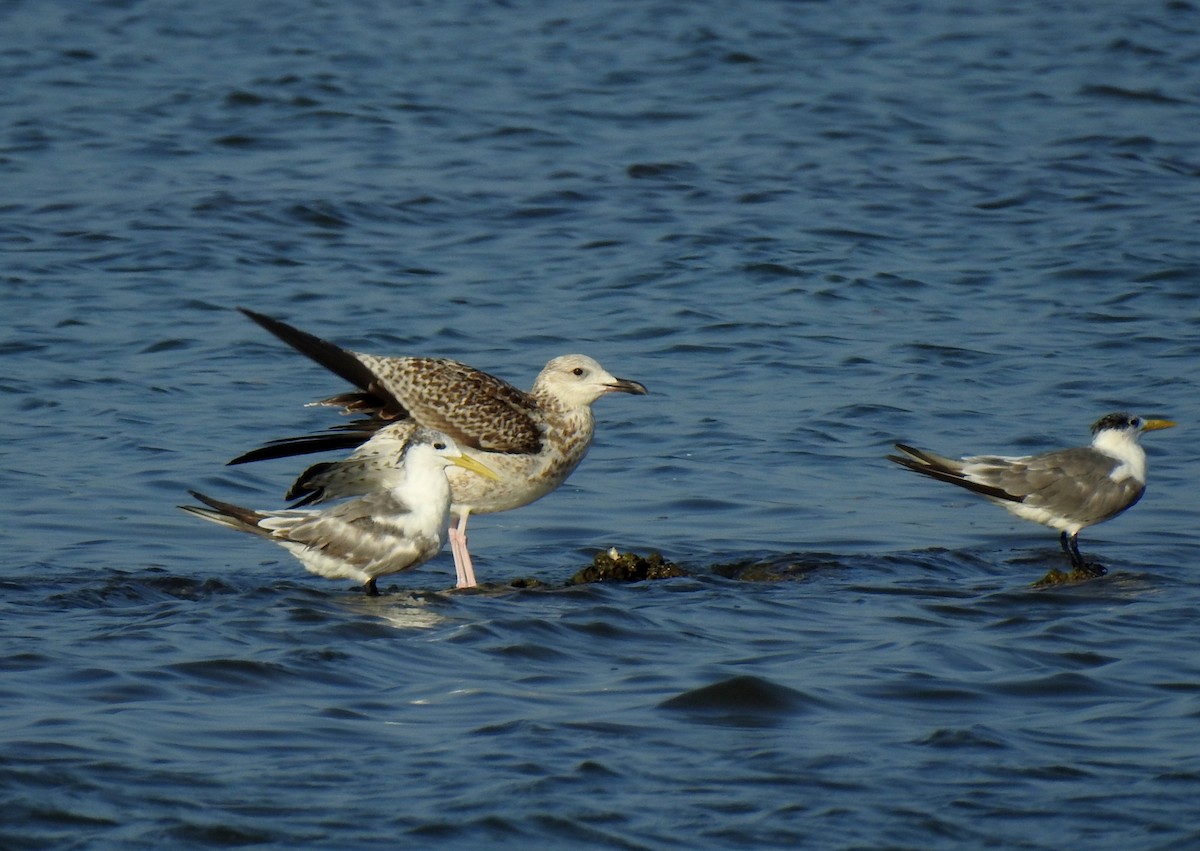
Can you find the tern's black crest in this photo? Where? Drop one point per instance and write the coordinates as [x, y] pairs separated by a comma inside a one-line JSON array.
[[1118, 420]]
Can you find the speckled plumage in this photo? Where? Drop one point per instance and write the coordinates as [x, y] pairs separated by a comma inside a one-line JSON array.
[[533, 440], [1067, 489], [399, 522]]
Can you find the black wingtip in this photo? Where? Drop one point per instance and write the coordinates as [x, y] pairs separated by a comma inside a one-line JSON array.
[[906, 460], [334, 358], [207, 500], [917, 467], [920, 462], [288, 447], [259, 318]]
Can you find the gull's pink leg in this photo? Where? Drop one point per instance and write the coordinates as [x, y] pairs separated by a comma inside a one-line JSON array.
[[463, 569], [456, 550]]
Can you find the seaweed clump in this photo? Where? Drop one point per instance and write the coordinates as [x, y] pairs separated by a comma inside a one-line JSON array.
[[1055, 577], [615, 566], [528, 583]]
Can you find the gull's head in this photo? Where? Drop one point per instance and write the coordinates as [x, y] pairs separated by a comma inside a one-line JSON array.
[[577, 380], [1126, 426], [432, 447]]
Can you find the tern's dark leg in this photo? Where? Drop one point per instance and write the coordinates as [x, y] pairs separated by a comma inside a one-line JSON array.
[[1080, 569], [1070, 545]]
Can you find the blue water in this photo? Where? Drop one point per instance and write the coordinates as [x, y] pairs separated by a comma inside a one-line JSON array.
[[810, 228]]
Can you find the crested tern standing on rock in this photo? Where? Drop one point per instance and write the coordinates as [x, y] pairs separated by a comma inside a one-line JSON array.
[[533, 440], [400, 523], [1067, 490]]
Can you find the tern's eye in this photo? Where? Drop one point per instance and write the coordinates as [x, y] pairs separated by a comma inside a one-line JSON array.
[[439, 446], [1135, 422]]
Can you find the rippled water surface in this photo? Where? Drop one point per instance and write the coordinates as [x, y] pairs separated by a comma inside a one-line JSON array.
[[811, 229]]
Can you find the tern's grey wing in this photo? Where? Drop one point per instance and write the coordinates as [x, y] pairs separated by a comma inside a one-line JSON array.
[[1072, 483], [1075, 483], [366, 532]]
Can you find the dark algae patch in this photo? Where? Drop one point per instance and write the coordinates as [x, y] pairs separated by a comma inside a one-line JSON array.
[[1055, 577], [615, 566], [610, 565]]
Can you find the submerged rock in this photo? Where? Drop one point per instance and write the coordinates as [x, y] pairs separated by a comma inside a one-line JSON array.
[[791, 568], [528, 582], [1056, 577], [615, 566]]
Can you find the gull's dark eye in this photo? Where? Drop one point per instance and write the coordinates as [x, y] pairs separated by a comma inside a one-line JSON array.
[[577, 370]]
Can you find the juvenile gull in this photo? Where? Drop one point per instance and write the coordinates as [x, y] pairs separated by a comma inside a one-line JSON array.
[[1067, 490], [532, 440], [399, 523]]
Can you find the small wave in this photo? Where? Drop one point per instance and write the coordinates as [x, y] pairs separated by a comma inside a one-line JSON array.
[[741, 701]]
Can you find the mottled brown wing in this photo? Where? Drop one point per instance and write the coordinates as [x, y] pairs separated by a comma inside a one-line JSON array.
[[476, 409]]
